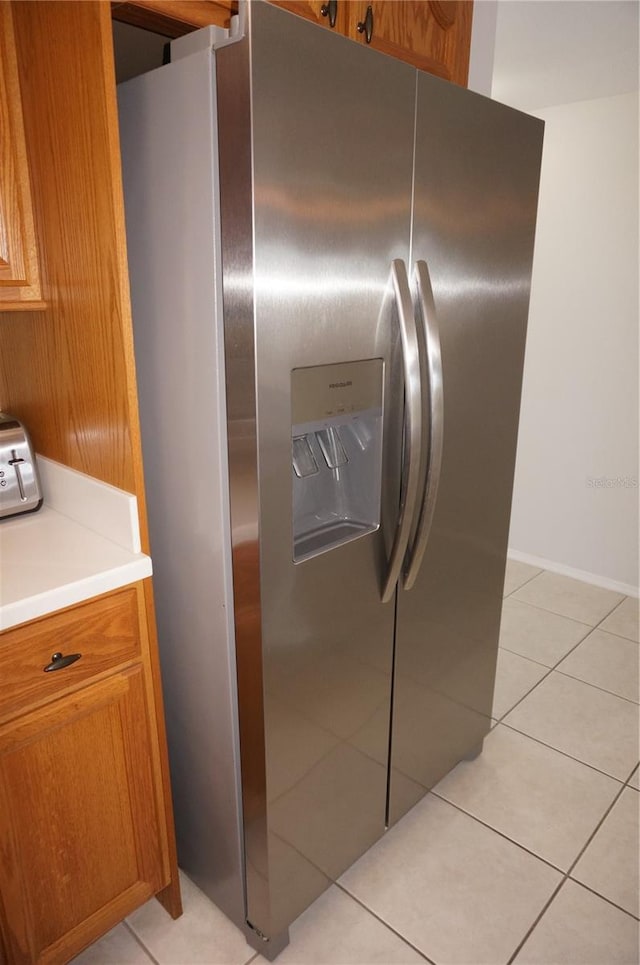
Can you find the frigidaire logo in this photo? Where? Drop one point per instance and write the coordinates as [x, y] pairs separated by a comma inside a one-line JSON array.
[[340, 385]]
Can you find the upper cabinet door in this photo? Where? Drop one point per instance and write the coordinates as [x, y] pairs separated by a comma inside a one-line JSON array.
[[327, 13], [433, 35], [19, 273]]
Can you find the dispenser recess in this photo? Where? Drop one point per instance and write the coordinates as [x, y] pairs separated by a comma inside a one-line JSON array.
[[336, 454]]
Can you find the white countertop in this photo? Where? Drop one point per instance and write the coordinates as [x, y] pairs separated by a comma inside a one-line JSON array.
[[83, 542]]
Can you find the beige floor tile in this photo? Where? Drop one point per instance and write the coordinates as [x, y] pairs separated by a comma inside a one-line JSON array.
[[634, 781], [538, 634], [515, 677], [517, 574], [591, 725], [570, 598], [533, 794], [455, 889], [610, 863], [624, 620], [606, 661], [202, 936], [336, 930], [117, 947], [581, 929]]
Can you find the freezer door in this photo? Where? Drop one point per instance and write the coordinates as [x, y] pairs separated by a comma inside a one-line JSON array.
[[476, 184], [316, 161]]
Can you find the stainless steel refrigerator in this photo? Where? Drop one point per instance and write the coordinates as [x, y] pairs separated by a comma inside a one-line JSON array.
[[330, 257]]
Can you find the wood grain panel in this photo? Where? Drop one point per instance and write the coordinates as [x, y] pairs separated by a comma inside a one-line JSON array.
[[170, 897], [105, 631], [19, 270], [68, 371], [433, 36], [173, 18], [78, 807], [311, 10]]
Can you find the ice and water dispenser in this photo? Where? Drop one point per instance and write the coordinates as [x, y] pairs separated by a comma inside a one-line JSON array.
[[336, 447]]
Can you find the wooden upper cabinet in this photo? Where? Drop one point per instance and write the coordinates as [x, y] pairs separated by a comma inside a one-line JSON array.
[[434, 35], [173, 18], [19, 270], [328, 13]]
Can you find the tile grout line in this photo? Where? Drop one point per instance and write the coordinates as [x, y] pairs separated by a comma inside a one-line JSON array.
[[565, 874], [602, 690], [593, 626], [596, 829], [604, 898], [566, 877], [611, 611], [536, 922], [149, 954], [497, 831], [520, 585], [140, 942], [564, 753], [538, 663], [530, 691], [612, 633], [386, 924], [554, 613], [555, 669], [564, 656]]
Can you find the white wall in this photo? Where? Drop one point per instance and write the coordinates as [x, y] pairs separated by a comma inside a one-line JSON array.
[[483, 42], [576, 498]]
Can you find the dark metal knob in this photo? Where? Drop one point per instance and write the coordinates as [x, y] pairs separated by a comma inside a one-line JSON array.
[[366, 26], [330, 10], [58, 661]]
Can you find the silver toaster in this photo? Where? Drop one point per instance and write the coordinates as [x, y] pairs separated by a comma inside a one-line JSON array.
[[20, 490]]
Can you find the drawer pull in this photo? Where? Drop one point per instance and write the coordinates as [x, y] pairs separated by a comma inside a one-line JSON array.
[[58, 662]]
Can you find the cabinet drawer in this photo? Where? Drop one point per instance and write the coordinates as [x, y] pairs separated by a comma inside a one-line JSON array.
[[104, 631]]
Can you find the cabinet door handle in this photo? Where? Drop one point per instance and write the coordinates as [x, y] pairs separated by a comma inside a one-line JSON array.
[[58, 662], [330, 10], [366, 26]]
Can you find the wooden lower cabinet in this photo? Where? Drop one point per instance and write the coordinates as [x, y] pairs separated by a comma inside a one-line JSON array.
[[83, 838]]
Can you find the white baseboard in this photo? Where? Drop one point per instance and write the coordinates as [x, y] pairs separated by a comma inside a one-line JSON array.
[[574, 573]]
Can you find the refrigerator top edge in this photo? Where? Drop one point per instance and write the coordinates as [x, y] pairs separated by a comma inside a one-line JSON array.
[[246, 22]]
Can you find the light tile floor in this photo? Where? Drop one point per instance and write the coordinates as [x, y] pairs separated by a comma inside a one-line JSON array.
[[529, 854]]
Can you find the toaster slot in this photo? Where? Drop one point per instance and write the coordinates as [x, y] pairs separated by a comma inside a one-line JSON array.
[[19, 483]]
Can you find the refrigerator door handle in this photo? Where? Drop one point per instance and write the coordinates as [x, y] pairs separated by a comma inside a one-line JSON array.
[[412, 425], [427, 313]]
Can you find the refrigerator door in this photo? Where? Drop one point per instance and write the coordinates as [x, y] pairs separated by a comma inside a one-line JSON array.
[[316, 164], [476, 184]]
